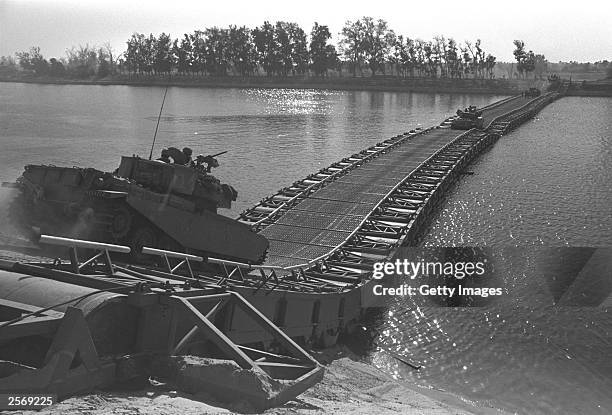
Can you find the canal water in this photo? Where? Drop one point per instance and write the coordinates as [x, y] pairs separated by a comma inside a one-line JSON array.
[[547, 183], [274, 136]]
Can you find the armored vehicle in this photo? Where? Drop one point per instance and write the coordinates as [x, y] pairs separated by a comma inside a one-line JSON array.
[[532, 93], [142, 203], [467, 118]]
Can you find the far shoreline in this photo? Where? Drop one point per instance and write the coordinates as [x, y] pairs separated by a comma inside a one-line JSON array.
[[380, 84], [599, 88]]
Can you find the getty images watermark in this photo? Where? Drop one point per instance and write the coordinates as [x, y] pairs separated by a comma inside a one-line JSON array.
[[453, 274]]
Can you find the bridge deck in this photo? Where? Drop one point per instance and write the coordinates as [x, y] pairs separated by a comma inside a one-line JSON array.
[[326, 218]]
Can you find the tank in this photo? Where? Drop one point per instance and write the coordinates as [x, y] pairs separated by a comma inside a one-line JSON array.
[[467, 119], [532, 93], [142, 203]]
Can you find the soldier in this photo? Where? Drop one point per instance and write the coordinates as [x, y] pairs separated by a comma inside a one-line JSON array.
[[188, 160], [178, 156], [165, 157]]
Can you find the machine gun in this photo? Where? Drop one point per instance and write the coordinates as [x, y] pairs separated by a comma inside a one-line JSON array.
[[210, 161]]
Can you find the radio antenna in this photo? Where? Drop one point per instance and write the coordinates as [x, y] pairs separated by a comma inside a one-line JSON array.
[[157, 126]]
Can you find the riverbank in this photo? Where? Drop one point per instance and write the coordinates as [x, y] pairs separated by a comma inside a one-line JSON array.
[[599, 88], [377, 83], [349, 386]]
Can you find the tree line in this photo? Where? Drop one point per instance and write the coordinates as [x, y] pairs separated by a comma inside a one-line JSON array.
[[80, 62], [282, 49], [365, 46]]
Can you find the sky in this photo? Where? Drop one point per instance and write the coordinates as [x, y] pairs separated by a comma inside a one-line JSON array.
[[562, 31]]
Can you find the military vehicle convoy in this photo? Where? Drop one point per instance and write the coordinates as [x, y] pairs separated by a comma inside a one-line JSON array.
[[142, 203]]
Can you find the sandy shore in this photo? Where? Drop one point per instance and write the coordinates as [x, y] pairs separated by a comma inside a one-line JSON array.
[[349, 386]]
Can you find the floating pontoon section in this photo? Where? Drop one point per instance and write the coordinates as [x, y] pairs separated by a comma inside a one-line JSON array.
[[335, 224]]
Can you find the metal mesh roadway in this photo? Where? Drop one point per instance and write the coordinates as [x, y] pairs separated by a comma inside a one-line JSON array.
[[324, 219]]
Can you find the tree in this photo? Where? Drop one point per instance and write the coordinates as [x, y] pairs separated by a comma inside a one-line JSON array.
[[75, 66], [8, 65], [281, 61], [520, 55], [162, 57], [322, 55], [242, 53], [299, 48], [432, 59], [25, 61], [351, 44], [399, 56], [376, 43], [541, 65], [529, 62], [132, 54], [263, 38], [217, 51], [198, 52], [466, 63], [110, 53], [453, 62], [33, 60], [104, 67], [182, 54], [490, 65], [412, 59]]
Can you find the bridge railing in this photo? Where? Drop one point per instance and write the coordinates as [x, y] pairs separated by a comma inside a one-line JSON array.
[[185, 259], [500, 103], [269, 272], [541, 98], [377, 206], [103, 251]]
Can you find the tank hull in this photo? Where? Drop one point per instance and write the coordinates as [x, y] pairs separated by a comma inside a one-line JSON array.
[[95, 205], [466, 123], [207, 232]]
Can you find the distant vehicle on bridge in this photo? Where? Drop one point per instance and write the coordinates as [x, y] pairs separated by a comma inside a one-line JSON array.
[[532, 93], [468, 118]]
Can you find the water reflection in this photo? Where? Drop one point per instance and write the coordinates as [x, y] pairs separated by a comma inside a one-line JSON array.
[[539, 349], [274, 136], [546, 183]]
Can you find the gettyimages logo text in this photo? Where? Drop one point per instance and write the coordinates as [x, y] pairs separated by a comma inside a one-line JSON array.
[[412, 269]]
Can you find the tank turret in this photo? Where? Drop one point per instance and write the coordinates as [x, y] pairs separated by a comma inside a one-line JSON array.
[[193, 184]]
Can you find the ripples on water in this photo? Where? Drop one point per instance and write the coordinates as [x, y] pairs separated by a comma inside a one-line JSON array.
[[522, 352], [546, 183]]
